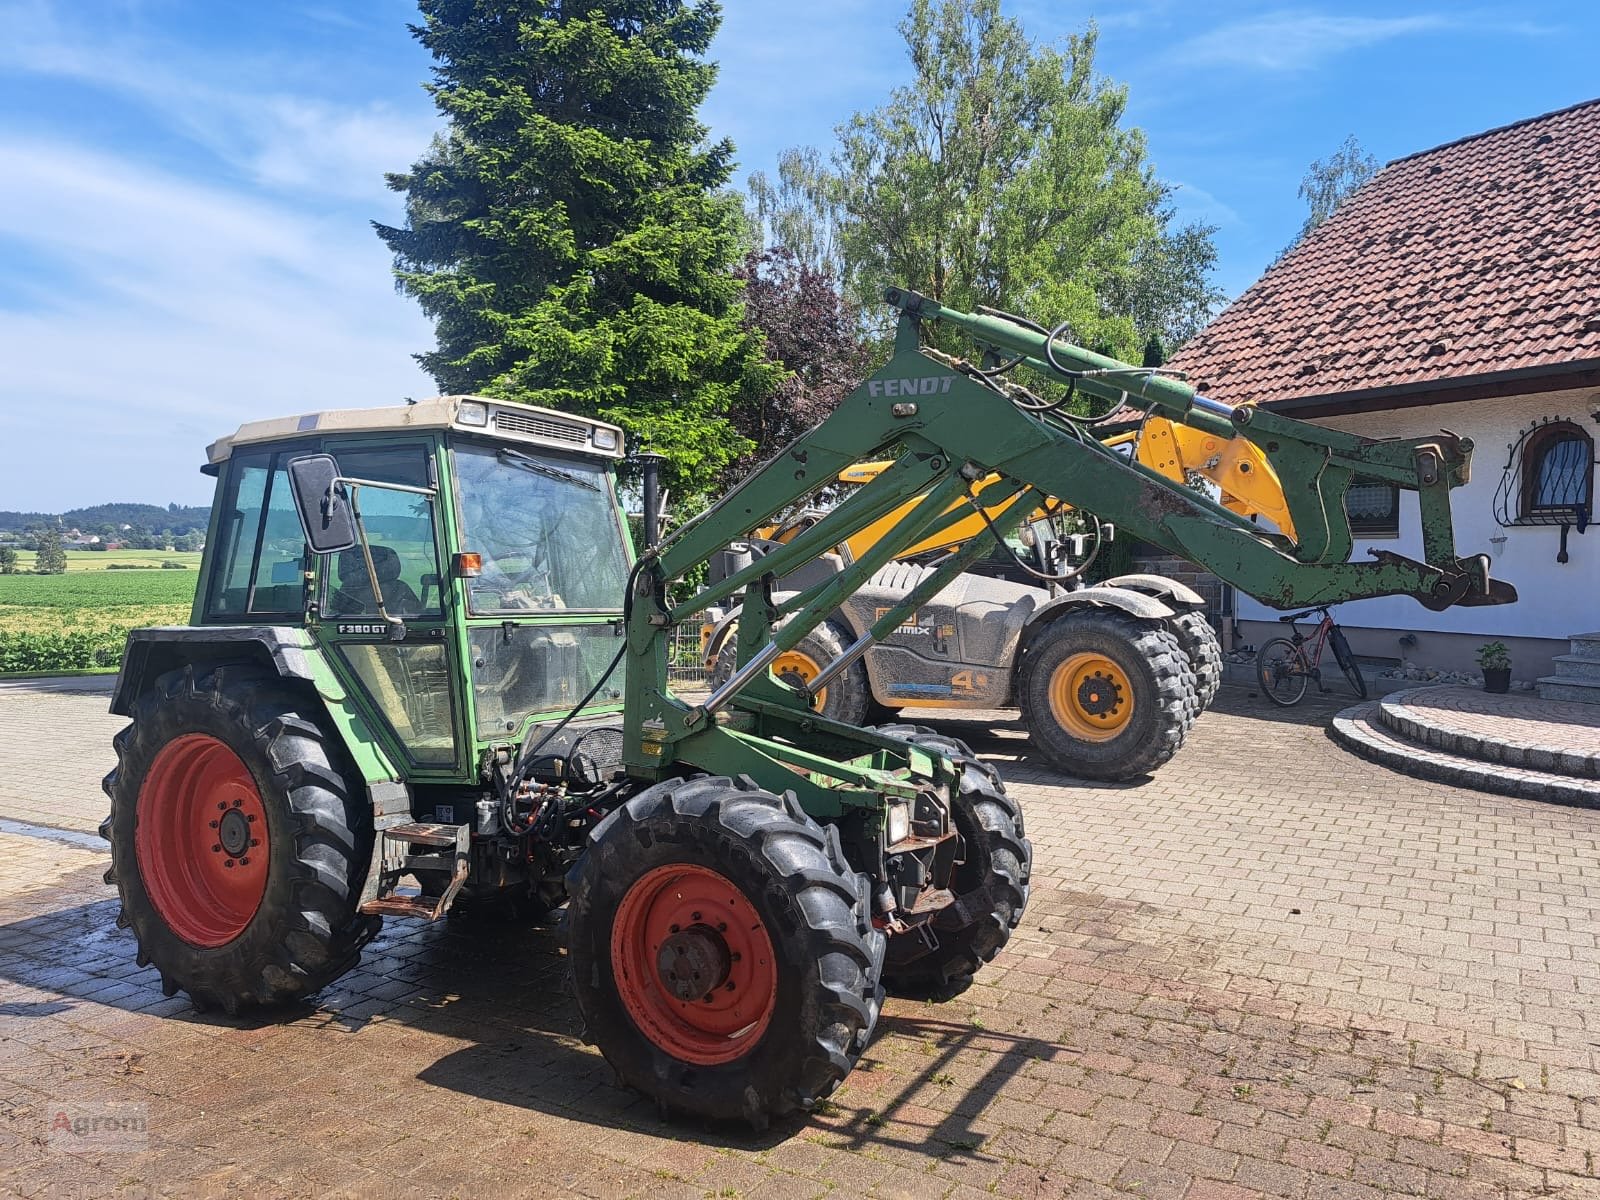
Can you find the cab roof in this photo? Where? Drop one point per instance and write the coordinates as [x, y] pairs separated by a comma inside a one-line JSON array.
[[523, 424]]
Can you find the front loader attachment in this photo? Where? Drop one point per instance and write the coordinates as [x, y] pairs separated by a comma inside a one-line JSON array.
[[965, 437]]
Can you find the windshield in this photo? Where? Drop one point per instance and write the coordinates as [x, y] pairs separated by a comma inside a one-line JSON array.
[[546, 527]]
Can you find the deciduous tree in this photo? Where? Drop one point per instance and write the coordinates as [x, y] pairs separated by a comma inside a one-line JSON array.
[[50, 559], [1003, 174], [570, 232], [811, 333], [1329, 181]]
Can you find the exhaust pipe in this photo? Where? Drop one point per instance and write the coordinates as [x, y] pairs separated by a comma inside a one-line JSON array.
[[650, 468]]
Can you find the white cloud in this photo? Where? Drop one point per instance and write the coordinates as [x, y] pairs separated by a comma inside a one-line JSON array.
[[176, 311], [275, 138], [205, 263], [1196, 204], [1296, 41]]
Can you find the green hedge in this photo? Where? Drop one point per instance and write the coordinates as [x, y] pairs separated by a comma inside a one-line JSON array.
[[61, 651]]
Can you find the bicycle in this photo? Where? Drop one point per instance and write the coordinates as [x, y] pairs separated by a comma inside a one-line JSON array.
[[1285, 666]]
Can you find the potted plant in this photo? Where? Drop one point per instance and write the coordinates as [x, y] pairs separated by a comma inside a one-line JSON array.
[[1495, 660]]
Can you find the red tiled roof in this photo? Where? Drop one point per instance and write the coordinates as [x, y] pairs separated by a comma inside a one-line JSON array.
[[1479, 256]]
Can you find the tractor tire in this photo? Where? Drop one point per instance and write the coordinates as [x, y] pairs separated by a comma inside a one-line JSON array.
[[793, 989], [1199, 642], [256, 906], [989, 891], [1106, 695], [845, 699]]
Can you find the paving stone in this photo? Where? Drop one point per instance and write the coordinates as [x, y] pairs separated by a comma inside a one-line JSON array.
[[1163, 1016]]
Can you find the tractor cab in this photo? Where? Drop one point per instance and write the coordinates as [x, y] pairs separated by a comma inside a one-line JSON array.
[[477, 585]]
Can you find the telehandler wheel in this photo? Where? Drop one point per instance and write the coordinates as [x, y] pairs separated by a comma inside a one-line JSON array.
[[238, 846], [1199, 642], [1105, 695], [844, 699], [989, 891], [723, 952]]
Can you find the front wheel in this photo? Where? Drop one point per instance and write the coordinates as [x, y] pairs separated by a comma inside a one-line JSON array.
[[1105, 695], [723, 953], [1347, 661], [1282, 671], [989, 889]]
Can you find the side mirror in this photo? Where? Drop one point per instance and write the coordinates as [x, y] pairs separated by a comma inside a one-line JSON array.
[[322, 503]]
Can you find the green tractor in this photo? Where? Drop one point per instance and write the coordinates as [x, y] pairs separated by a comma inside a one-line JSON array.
[[425, 667]]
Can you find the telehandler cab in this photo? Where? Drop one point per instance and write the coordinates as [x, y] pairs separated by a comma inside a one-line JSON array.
[[401, 664]]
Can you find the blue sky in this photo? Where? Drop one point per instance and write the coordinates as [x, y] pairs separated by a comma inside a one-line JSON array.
[[184, 239]]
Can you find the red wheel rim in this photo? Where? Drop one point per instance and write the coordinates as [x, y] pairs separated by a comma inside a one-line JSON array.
[[201, 840], [694, 964]]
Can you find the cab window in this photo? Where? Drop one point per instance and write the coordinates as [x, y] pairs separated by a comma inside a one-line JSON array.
[[399, 527], [546, 528], [262, 561]]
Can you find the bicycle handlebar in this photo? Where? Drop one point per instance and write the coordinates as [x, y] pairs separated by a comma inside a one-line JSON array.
[[1321, 608]]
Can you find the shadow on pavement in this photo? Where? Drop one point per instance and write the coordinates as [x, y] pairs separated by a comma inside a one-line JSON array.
[[501, 990]]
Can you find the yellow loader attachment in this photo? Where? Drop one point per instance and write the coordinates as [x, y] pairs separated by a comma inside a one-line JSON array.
[[1238, 468]]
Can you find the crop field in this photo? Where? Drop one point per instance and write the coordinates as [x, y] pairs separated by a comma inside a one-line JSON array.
[[100, 560], [79, 620]]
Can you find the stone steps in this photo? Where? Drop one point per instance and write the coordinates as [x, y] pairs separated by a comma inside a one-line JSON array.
[[1512, 745], [1569, 689], [1577, 677]]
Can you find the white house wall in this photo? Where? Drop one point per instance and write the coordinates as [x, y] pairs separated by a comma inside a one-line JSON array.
[[1555, 599]]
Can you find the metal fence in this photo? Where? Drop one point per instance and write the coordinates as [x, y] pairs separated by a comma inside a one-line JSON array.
[[686, 670]]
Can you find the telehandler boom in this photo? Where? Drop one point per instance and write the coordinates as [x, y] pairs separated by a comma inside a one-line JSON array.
[[397, 670]]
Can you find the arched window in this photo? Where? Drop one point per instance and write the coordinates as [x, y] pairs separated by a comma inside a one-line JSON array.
[[1557, 474]]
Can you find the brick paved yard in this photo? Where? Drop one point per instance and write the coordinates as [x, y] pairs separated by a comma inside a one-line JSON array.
[[1273, 970]]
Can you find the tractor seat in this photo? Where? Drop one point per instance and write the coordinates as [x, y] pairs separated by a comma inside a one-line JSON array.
[[354, 591]]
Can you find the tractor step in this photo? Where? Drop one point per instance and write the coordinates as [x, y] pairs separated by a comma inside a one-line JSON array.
[[446, 850], [423, 833], [427, 908]]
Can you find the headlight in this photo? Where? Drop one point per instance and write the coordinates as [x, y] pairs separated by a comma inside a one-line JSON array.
[[604, 439], [472, 412], [896, 822]]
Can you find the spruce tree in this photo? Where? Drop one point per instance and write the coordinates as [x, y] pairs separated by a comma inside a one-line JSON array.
[[570, 232]]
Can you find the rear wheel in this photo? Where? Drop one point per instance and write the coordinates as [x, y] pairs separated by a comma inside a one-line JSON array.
[[989, 890], [723, 952], [1105, 695], [847, 695], [1282, 671], [237, 845], [1199, 642], [1347, 661]]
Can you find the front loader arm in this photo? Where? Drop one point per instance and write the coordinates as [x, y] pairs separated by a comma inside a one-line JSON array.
[[948, 427]]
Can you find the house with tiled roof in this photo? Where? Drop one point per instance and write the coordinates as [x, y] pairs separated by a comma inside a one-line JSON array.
[[1458, 289]]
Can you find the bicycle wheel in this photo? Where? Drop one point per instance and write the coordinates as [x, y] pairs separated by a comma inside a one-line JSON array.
[[1347, 661], [1281, 668]]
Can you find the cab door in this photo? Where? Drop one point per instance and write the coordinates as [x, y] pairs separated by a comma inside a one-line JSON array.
[[412, 684]]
